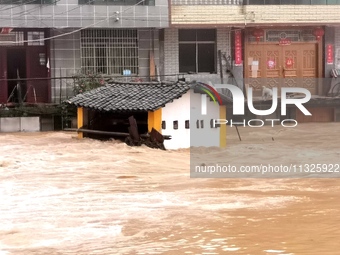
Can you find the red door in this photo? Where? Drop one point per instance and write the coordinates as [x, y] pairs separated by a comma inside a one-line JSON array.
[[37, 90], [3, 76]]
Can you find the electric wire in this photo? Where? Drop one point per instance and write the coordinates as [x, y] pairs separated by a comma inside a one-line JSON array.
[[74, 31], [105, 76]]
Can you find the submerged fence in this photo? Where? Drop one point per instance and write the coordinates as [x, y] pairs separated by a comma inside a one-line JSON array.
[[54, 90]]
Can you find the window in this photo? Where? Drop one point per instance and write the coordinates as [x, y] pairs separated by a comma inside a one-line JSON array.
[[202, 123], [117, 2], [293, 35], [187, 124], [197, 50], [163, 124], [197, 124], [295, 2], [213, 125], [35, 38], [109, 51], [175, 124], [23, 2], [13, 36]]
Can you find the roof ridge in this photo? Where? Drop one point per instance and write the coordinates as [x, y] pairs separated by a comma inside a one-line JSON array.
[[122, 96], [112, 82]]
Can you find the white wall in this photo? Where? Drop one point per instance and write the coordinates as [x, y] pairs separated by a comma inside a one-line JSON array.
[[188, 107], [20, 124], [178, 110], [207, 136]]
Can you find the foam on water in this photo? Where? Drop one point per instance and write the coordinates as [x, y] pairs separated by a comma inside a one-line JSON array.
[[91, 197], [274, 251]]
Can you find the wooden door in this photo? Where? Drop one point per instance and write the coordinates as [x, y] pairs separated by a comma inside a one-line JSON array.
[[37, 90], [319, 114], [279, 66], [3, 76]]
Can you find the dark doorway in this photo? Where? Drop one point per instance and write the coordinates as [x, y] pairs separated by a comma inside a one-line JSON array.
[[16, 68]]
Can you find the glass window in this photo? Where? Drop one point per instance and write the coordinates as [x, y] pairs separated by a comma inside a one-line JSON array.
[[254, 2], [35, 38], [316, 2], [272, 1], [290, 1], [187, 35], [187, 58], [206, 35], [109, 51], [197, 50], [13, 36], [302, 2], [206, 58]]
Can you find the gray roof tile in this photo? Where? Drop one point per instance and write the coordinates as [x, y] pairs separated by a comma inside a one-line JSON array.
[[121, 96]]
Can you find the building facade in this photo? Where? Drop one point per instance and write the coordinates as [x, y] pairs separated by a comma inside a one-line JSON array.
[[43, 39], [274, 43], [249, 43]]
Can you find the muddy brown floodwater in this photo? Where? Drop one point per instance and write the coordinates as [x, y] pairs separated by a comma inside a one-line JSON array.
[[60, 195]]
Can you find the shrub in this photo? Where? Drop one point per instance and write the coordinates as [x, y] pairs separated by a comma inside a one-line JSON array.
[[85, 82]]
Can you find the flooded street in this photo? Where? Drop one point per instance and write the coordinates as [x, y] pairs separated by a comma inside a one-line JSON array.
[[60, 195]]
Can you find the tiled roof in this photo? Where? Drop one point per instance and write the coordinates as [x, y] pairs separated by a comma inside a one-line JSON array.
[[121, 96]]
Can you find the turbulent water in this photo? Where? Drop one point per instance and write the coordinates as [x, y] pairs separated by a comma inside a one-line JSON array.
[[61, 195]]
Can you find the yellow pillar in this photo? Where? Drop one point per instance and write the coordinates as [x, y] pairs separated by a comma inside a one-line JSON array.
[[223, 127], [155, 120], [80, 120]]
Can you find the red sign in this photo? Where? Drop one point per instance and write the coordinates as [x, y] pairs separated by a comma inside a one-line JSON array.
[[271, 64], [6, 30], [285, 41], [289, 62], [329, 54], [238, 48]]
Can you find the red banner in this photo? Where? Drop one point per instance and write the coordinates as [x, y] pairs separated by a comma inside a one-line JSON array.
[[285, 41], [6, 30], [238, 48], [329, 54]]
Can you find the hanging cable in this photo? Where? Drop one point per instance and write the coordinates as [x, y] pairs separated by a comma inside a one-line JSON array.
[[74, 31]]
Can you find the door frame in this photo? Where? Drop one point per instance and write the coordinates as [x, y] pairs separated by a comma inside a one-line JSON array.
[[319, 48], [4, 68], [3, 75]]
